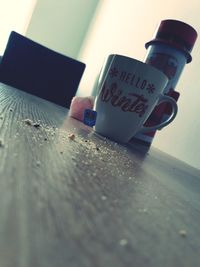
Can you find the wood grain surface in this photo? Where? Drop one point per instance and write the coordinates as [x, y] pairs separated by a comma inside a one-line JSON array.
[[87, 201]]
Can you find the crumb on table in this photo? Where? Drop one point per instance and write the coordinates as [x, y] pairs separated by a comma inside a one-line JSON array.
[[28, 122], [71, 136], [123, 242], [38, 163], [103, 197], [31, 123], [36, 125], [183, 233], [1, 143]]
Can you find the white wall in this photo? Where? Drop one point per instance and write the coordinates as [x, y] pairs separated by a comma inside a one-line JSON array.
[[61, 24], [123, 26]]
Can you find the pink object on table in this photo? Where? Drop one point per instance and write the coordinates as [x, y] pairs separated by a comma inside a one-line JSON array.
[[78, 106]]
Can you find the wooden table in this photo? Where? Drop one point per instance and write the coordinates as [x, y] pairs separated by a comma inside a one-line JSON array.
[[89, 202]]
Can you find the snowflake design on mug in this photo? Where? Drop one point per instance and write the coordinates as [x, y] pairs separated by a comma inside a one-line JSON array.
[[113, 72], [150, 88]]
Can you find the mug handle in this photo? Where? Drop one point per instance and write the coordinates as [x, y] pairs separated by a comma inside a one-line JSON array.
[[164, 98]]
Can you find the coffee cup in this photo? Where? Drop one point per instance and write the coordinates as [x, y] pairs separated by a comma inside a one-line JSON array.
[[127, 92]]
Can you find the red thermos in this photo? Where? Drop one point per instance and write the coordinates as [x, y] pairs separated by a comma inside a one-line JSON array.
[[168, 51]]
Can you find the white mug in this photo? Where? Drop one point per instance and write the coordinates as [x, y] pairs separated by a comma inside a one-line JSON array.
[[128, 90]]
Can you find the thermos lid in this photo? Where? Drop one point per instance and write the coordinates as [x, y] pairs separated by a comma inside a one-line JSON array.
[[176, 34]]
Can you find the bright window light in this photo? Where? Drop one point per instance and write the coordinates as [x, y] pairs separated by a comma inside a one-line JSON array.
[[15, 15]]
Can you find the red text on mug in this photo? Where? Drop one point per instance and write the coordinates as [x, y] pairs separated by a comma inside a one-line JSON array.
[[130, 102]]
